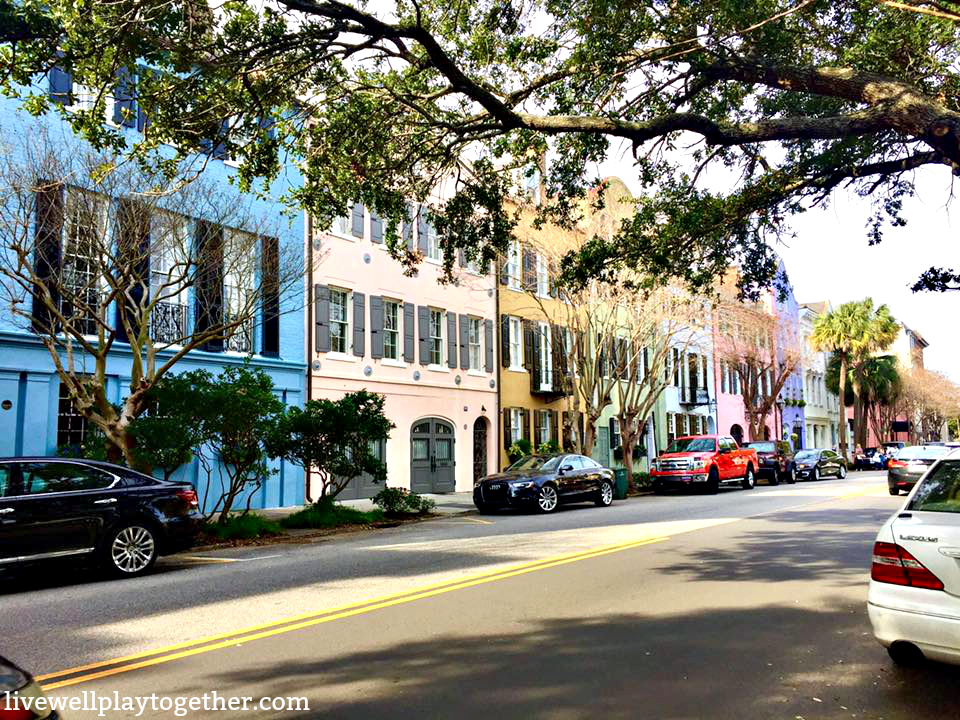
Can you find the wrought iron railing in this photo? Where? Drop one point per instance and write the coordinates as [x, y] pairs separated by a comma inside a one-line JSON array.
[[168, 322]]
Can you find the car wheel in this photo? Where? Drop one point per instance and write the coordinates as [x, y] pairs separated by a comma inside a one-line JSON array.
[[748, 479], [547, 499], [775, 478], [894, 491], [605, 496], [815, 475], [842, 472], [792, 475], [483, 508], [713, 481], [130, 550]]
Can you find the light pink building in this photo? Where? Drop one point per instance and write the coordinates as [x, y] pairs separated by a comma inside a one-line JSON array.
[[430, 349]]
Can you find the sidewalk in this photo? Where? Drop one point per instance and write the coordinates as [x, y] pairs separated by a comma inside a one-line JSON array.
[[447, 504]]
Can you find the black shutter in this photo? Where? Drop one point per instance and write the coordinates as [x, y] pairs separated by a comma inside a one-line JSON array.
[[556, 356], [356, 220], [529, 269], [423, 333], [422, 230], [525, 423], [48, 231], [209, 291], [528, 345], [407, 228], [321, 317], [124, 112], [559, 343], [133, 245], [554, 430], [505, 340], [552, 278], [488, 345], [613, 440], [506, 429], [271, 297], [376, 326], [61, 85], [535, 364], [376, 228], [451, 340], [359, 312], [464, 342], [409, 332], [537, 427]]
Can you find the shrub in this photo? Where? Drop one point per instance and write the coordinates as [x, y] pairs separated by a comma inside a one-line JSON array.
[[400, 501], [548, 448], [519, 449], [242, 527], [327, 514]]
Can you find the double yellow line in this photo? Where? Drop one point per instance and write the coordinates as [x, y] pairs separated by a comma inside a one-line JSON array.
[[106, 668]]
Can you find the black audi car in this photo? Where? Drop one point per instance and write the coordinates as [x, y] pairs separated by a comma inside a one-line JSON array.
[[544, 482], [53, 508], [817, 464], [20, 696]]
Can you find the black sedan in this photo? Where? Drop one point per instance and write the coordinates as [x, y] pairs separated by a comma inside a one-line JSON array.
[[776, 460], [52, 508], [817, 464], [544, 482], [910, 465], [20, 696]]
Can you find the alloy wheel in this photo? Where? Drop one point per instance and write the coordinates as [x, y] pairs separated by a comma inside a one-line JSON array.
[[547, 499], [133, 549], [606, 493]]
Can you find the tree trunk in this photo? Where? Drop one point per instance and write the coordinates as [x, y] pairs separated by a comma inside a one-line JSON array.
[[589, 436], [843, 407]]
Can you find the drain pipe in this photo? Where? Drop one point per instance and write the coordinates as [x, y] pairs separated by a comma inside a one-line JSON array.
[[310, 330]]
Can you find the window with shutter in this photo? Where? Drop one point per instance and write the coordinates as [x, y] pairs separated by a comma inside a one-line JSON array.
[[340, 335], [359, 326], [239, 281], [48, 232]]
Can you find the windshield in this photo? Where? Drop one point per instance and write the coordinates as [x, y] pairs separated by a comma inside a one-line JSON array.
[[692, 445], [763, 446], [919, 452], [940, 490], [536, 463], [808, 455]]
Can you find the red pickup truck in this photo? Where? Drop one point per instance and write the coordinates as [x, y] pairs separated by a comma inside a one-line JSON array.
[[704, 461]]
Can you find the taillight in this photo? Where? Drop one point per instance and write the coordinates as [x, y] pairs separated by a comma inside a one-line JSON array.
[[189, 497], [893, 564], [896, 463]]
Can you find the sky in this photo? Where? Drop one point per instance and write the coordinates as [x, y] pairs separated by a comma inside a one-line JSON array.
[[829, 258]]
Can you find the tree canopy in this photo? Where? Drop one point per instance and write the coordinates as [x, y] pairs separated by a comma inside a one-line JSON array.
[[776, 102]]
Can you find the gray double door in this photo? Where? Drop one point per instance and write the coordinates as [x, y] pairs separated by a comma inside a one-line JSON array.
[[432, 465]]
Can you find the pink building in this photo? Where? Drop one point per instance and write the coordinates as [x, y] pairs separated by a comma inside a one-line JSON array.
[[428, 348]]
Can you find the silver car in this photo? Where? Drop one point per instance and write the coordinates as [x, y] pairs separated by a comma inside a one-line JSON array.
[[910, 464]]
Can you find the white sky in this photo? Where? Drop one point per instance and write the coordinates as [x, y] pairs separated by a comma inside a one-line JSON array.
[[829, 258]]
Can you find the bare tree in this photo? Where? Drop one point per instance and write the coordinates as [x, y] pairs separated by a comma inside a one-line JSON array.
[[99, 254], [762, 348], [928, 399]]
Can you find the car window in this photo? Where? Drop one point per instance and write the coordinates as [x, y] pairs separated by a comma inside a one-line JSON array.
[[808, 455], [940, 490], [39, 478], [588, 463], [692, 445], [830, 454], [6, 481], [917, 452], [131, 478], [574, 462], [763, 446]]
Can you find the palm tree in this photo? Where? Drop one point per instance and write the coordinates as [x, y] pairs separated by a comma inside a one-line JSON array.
[[853, 332]]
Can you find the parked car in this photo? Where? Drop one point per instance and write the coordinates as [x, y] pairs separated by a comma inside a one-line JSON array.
[[17, 683], [893, 447], [910, 465], [817, 464], [914, 596], [52, 508], [776, 460], [545, 482], [705, 461]]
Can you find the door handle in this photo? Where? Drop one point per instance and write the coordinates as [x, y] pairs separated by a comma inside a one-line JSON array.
[[105, 501], [950, 552], [4, 511]]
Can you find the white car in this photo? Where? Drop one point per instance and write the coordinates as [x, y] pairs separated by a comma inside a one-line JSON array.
[[914, 598]]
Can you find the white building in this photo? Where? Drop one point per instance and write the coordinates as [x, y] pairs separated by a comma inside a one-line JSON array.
[[822, 406]]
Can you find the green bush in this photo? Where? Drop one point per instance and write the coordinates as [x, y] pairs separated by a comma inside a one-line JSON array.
[[400, 501], [641, 480], [327, 514], [242, 527], [548, 448], [519, 449]]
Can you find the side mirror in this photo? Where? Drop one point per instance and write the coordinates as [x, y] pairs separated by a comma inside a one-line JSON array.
[[566, 469]]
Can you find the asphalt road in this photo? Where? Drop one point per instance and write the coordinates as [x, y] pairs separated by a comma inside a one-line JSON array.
[[741, 605]]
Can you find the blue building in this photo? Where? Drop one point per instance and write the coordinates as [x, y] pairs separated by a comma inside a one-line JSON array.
[[793, 415], [37, 415]]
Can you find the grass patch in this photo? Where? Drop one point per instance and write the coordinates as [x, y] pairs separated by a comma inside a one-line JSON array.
[[329, 514], [242, 527]]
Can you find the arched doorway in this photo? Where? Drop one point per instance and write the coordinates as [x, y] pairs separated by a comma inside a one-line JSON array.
[[766, 432], [737, 433], [432, 466], [479, 448]]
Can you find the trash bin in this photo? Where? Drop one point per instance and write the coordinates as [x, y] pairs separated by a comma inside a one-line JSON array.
[[620, 475]]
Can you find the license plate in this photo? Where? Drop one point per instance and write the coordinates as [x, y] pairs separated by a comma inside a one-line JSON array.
[[495, 486]]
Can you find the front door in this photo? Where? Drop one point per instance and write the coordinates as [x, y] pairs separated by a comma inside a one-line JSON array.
[[432, 456], [365, 485], [479, 448]]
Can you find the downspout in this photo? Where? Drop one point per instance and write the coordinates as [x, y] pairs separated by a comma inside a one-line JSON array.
[[498, 362], [310, 330]]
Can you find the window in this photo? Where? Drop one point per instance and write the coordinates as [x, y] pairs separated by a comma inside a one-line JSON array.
[[84, 98], [82, 287], [71, 425], [392, 315], [671, 428], [723, 376], [676, 367], [339, 321], [436, 337], [516, 344], [546, 357], [516, 424], [543, 276], [6, 487], [514, 269], [432, 243], [617, 439], [475, 334], [239, 275], [546, 418], [342, 225], [169, 282], [682, 425], [39, 478]]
